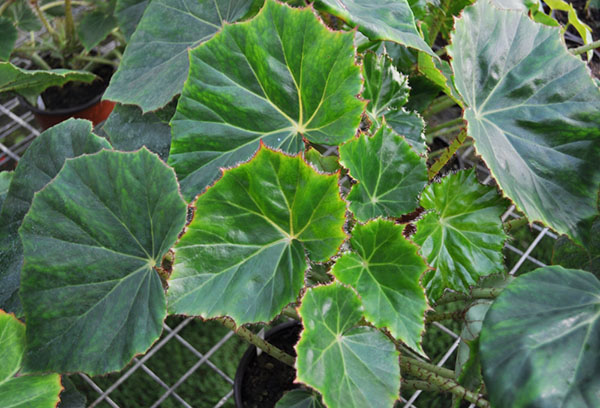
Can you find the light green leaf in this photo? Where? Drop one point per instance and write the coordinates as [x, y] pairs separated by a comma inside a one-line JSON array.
[[410, 125], [5, 178], [129, 129], [385, 270], [129, 14], [352, 367], [390, 175], [25, 391], [155, 63], [324, 164], [540, 341], [389, 20], [40, 163], [94, 27], [534, 113], [249, 237], [281, 77], [8, 38], [91, 240], [461, 236], [300, 398], [33, 83], [439, 72]]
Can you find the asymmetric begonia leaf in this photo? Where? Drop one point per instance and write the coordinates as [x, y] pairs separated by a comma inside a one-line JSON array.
[[91, 240], [155, 63], [462, 235], [249, 236], [300, 398], [23, 391], [8, 38], [540, 341], [385, 269], [410, 125], [389, 20], [129, 13], [390, 175], [352, 367], [534, 113], [570, 255], [94, 27], [32, 83], [23, 16], [280, 77], [40, 163]]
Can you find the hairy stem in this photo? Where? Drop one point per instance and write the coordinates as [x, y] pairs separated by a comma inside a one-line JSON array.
[[415, 385], [442, 103], [39, 61], [98, 60], [441, 371], [440, 316], [258, 342], [476, 293], [57, 3], [42, 17], [445, 157], [5, 5], [69, 24], [585, 48]]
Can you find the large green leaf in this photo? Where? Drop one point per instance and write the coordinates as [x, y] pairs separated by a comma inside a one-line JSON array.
[[155, 63], [282, 77], [462, 235], [94, 27], [23, 391], [385, 270], [352, 367], [33, 83], [249, 237], [390, 175], [410, 125], [91, 240], [129, 13], [23, 17], [390, 20], [534, 113], [5, 179], [300, 398], [540, 341], [8, 38], [570, 255], [40, 163]]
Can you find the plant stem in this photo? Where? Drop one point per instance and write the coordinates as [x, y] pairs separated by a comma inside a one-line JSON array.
[[39, 61], [45, 22], [438, 105], [585, 48], [444, 384], [439, 316], [441, 371], [443, 132], [98, 60], [61, 2], [476, 293], [445, 125], [5, 5], [439, 164], [258, 342], [69, 25], [415, 385]]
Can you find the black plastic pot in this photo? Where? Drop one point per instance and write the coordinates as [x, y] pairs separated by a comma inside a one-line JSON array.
[[250, 356]]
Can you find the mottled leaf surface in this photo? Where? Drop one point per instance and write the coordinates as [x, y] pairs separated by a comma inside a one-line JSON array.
[[300, 398], [91, 296], [40, 164], [249, 237], [390, 175], [94, 27], [571, 255], [352, 367], [389, 20], [534, 113], [129, 13], [280, 77], [155, 63], [540, 341], [461, 236], [8, 38], [5, 179], [385, 269], [24, 391]]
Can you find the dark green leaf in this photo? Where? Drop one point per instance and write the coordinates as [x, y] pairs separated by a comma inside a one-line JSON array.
[[300, 398], [324, 164], [390, 175], [571, 255], [534, 113], [155, 62], [249, 237], [129, 14], [540, 341], [7, 39], [462, 235], [23, 17], [94, 27], [352, 367], [91, 240], [279, 78], [385, 270], [129, 129], [40, 163], [410, 125], [390, 20], [70, 397], [5, 178]]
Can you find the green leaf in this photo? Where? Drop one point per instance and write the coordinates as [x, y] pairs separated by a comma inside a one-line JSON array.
[[279, 78], [8, 38], [5, 178], [40, 163], [300, 398], [410, 125], [534, 113], [23, 17], [129, 129], [70, 397], [91, 240], [129, 13], [352, 367], [571, 255], [390, 175], [155, 63], [324, 164], [439, 72], [24, 391], [379, 20], [385, 270], [249, 237], [94, 27], [540, 342], [33, 83], [461, 236]]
